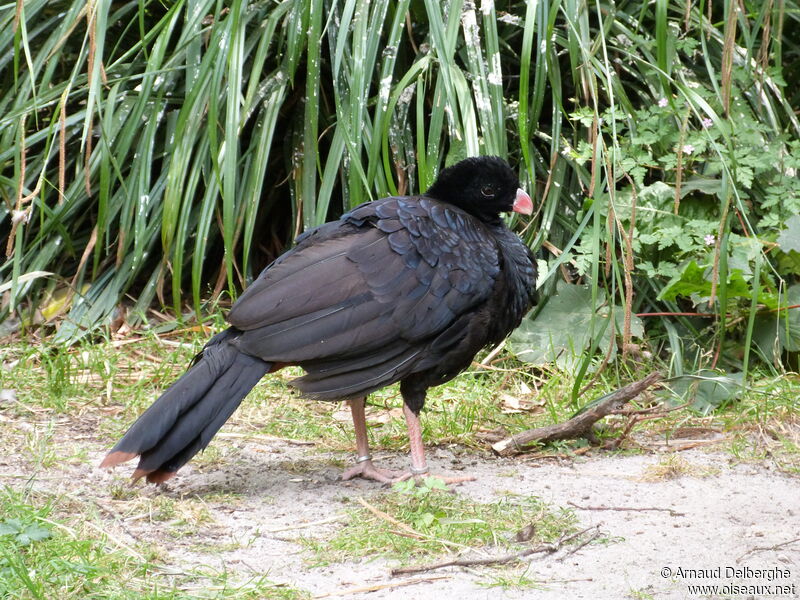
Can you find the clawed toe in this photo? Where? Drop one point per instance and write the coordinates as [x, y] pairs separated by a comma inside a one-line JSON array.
[[367, 470]]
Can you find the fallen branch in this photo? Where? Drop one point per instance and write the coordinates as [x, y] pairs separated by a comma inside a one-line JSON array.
[[381, 586], [672, 513], [635, 417], [503, 559], [333, 519], [582, 545], [767, 548], [578, 426]]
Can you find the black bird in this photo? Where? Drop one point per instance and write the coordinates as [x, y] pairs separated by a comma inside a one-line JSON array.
[[403, 289]]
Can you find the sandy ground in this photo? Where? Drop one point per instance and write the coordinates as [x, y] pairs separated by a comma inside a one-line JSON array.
[[718, 517], [669, 519]]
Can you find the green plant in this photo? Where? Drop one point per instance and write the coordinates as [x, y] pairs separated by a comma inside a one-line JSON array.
[[432, 520], [696, 228], [43, 555], [163, 153], [425, 511], [23, 534]]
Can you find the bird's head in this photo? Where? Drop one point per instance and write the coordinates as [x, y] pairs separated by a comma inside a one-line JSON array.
[[484, 186]]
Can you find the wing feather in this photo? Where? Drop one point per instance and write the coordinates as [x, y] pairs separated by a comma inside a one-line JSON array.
[[359, 304]]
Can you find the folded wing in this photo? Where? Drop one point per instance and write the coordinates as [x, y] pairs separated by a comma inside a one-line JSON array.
[[358, 303]]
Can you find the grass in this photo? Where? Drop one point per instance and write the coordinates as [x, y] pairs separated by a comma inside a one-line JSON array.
[[513, 580], [640, 595], [66, 397], [169, 150], [674, 466], [46, 552], [433, 521], [111, 382], [72, 402]]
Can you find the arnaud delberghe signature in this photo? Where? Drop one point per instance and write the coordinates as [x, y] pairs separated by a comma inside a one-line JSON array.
[[768, 574]]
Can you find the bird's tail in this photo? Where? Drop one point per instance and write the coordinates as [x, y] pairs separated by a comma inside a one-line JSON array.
[[185, 418]]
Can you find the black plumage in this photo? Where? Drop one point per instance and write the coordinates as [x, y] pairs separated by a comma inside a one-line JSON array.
[[401, 289]]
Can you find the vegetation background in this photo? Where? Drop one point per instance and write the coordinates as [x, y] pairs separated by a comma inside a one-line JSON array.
[[160, 152], [156, 154]]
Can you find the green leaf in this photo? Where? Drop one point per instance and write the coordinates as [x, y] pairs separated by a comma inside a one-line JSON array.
[[405, 487], [704, 185], [765, 338], [566, 327], [36, 533], [789, 238], [708, 390], [789, 263], [584, 114], [695, 282], [435, 483], [10, 526], [24, 534], [789, 329], [691, 281], [426, 519]]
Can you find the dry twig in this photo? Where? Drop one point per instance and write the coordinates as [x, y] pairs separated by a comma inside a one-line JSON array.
[[387, 517], [381, 586], [505, 558], [333, 519], [406, 530], [672, 513], [581, 424], [582, 545], [767, 548]]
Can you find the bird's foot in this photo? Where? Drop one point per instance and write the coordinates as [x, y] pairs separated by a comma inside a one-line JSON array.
[[367, 470]]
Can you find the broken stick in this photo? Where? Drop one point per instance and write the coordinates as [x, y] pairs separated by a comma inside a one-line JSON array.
[[548, 548], [581, 424]]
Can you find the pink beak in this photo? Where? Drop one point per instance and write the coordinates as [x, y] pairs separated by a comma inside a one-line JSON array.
[[523, 204]]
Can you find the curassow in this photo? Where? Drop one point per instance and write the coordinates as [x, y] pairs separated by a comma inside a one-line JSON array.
[[403, 289]]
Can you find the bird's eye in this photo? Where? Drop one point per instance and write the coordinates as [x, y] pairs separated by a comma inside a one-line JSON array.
[[487, 191]]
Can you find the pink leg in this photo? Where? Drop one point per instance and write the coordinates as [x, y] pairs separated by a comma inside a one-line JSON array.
[[364, 467], [419, 466]]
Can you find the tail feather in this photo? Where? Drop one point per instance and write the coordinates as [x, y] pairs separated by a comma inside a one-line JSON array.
[[185, 418], [194, 430]]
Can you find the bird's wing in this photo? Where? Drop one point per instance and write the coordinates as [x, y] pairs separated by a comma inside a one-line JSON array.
[[379, 285]]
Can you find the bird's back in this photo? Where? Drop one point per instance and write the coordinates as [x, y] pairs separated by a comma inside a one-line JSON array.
[[396, 288]]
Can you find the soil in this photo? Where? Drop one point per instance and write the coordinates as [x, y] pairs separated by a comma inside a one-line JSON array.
[[668, 520]]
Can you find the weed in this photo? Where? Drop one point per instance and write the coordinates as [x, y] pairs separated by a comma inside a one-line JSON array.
[[427, 519], [42, 557], [641, 595], [674, 466], [510, 579]]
